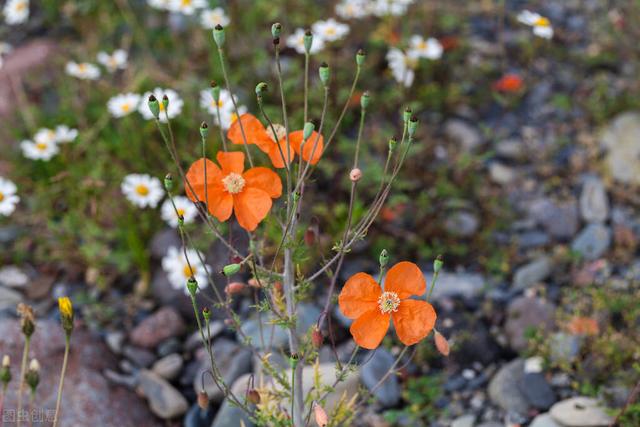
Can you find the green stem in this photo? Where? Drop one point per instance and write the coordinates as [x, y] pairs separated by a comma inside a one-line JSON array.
[[67, 344], [23, 369]]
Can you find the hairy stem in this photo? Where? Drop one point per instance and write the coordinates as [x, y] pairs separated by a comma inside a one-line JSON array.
[[67, 344]]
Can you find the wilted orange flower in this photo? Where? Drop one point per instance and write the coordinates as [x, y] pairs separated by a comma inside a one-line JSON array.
[[583, 326], [510, 82], [364, 300], [265, 139], [248, 194]]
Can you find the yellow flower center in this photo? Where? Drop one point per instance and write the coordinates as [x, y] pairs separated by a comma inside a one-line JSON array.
[[388, 302], [1, 196], [142, 190], [21, 6], [233, 183], [125, 107], [188, 271], [280, 132], [422, 45], [331, 31], [161, 105], [82, 67], [41, 146], [542, 22], [186, 3], [180, 212]]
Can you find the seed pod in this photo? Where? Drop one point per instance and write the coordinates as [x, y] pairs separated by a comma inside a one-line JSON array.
[[360, 57], [206, 313], [392, 144], [406, 115], [215, 91], [218, 35], [192, 286], [253, 396], [204, 130], [168, 182], [165, 102], [307, 130], [324, 73], [355, 175], [437, 264], [364, 100], [231, 269], [276, 29], [203, 400], [413, 126], [308, 41], [321, 416], [234, 288], [441, 343], [154, 106]]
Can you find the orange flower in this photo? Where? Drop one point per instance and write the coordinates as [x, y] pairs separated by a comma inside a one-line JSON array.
[[248, 194], [265, 139], [509, 83], [583, 326], [372, 308]]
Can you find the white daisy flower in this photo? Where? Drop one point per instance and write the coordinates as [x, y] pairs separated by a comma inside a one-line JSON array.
[[160, 4], [8, 197], [114, 61], [541, 25], [207, 102], [527, 17], [228, 117], [184, 207], [65, 134], [296, 41], [175, 104], [390, 7], [16, 11], [352, 9], [178, 270], [43, 150], [45, 136], [211, 17], [123, 104], [142, 190], [187, 7], [421, 48], [402, 66], [83, 70], [330, 30]]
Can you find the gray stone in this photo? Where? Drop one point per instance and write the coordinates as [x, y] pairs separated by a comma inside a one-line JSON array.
[[164, 400], [544, 420], [162, 241], [504, 390], [620, 138], [195, 339], [231, 360], [9, 299], [594, 205], [512, 149], [169, 366], [580, 412], [537, 390], [532, 273], [12, 276], [462, 224], [564, 347], [139, 356], [388, 393], [592, 242], [525, 313], [467, 136], [468, 420], [115, 341], [275, 335], [159, 326], [230, 415], [559, 218], [501, 174], [467, 285]]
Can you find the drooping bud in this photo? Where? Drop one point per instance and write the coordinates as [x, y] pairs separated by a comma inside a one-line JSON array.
[[231, 269], [234, 288], [165, 102], [5, 371], [322, 420], [254, 283], [203, 400], [66, 313], [441, 343], [324, 73], [253, 396], [406, 115], [260, 89], [413, 126], [316, 337], [308, 41], [310, 236], [364, 100], [192, 286], [276, 29], [154, 106], [355, 175], [32, 376], [307, 130], [215, 92], [204, 130], [392, 144], [437, 264], [383, 259], [360, 57], [206, 313], [168, 182], [218, 35]]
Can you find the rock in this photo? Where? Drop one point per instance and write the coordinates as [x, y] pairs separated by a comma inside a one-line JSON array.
[[592, 242], [462, 224], [232, 362], [40, 287], [559, 218], [196, 417], [388, 393], [511, 149], [12, 276], [533, 365], [88, 395], [537, 390], [532, 273], [139, 356], [544, 420], [9, 233], [533, 239], [580, 412], [162, 241], [564, 347], [468, 137], [525, 313], [466, 285], [307, 316], [115, 341], [9, 299], [164, 400], [501, 174], [195, 339], [504, 390], [168, 367], [230, 415], [464, 421], [164, 323], [620, 138], [594, 205]]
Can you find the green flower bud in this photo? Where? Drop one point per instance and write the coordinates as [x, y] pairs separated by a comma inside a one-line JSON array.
[[154, 106], [406, 115], [206, 313], [165, 102], [215, 92], [364, 100], [384, 258], [392, 144], [360, 57], [231, 269], [5, 370], [307, 130], [32, 376], [168, 182], [324, 73], [192, 286], [276, 29], [413, 126], [308, 41], [218, 35], [293, 360], [260, 89], [437, 264], [204, 130], [296, 196]]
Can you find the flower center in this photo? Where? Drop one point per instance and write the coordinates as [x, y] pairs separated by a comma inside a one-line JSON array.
[[1, 196], [280, 132], [331, 31], [188, 271], [422, 45], [542, 22], [142, 190], [233, 183], [41, 146], [186, 3], [388, 302], [180, 212], [125, 107], [161, 105]]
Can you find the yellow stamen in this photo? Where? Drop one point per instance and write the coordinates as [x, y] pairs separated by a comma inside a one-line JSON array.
[[142, 190], [1, 196], [388, 302], [233, 183], [188, 271], [41, 146], [542, 22], [180, 212]]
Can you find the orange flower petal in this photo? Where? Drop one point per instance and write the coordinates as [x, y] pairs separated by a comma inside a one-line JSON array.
[[254, 131], [264, 179], [277, 158], [312, 149], [359, 295], [406, 279], [369, 329], [220, 203], [251, 206], [232, 161], [413, 320], [194, 185]]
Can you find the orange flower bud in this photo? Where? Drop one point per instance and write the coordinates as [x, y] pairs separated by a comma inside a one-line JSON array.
[[316, 337], [355, 175], [253, 396], [441, 343], [321, 416], [234, 288], [203, 400], [310, 236], [253, 282]]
